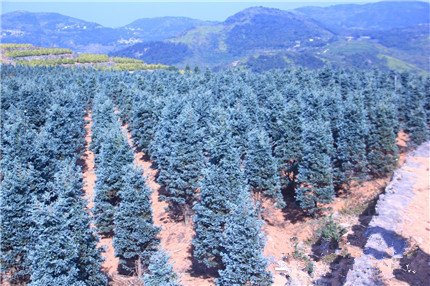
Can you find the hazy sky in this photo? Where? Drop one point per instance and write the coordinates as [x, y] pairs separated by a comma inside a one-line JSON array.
[[118, 13]]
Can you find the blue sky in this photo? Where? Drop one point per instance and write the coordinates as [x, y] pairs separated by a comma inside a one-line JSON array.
[[120, 13]]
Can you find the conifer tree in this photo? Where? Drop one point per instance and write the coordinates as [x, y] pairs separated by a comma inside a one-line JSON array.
[[54, 258], [114, 155], [144, 120], [135, 234], [287, 133], [222, 180], [65, 248], [16, 222], [315, 175], [415, 116], [381, 148], [161, 271], [243, 244], [160, 147], [67, 187], [103, 117], [185, 164], [349, 157], [261, 168]]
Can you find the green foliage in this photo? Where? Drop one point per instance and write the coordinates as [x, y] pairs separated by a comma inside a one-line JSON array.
[[14, 46], [115, 153], [315, 174], [37, 52], [261, 168], [329, 229], [185, 162], [381, 148], [120, 60], [222, 180]]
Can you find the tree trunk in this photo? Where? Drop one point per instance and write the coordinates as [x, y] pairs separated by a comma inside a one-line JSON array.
[[139, 267], [186, 214]]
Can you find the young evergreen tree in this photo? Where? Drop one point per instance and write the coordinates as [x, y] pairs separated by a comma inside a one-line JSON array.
[[145, 116], [261, 168], [381, 148], [349, 157], [222, 180], [186, 161], [160, 147], [415, 116], [315, 175], [288, 146], [161, 271], [65, 130], [135, 234], [114, 155], [243, 244], [65, 248], [103, 118], [67, 187], [16, 222], [55, 255]]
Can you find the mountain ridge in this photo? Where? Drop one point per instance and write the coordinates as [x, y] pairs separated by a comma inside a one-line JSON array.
[[308, 36]]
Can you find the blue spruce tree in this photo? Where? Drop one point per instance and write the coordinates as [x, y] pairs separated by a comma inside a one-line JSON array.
[[114, 155], [135, 234], [315, 175], [161, 271], [222, 180], [261, 168], [243, 244]]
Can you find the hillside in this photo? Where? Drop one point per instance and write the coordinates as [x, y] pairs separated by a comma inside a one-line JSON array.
[[56, 30], [29, 55], [245, 33], [261, 39], [385, 35], [160, 28], [384, 15]]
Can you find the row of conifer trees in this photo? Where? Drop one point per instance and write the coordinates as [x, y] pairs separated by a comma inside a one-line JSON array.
[[222, 143]]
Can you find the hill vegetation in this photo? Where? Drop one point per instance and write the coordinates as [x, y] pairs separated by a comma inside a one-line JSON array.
[[26, 54]]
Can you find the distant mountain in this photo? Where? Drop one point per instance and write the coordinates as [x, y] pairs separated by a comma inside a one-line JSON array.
[[56, 30], [386, 35], [156, 52], [157, 29], [245, 33], [384, 15]]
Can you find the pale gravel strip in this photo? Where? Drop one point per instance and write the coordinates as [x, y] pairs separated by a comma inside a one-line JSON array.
[[383, 241]]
